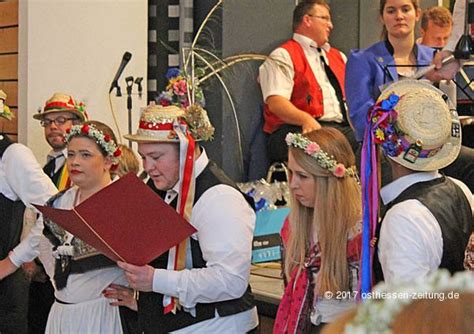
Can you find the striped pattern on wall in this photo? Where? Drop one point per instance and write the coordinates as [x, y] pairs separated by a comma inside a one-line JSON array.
[[170, 28]]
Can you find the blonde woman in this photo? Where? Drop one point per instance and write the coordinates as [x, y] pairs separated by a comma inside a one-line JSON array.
[[322, 235]]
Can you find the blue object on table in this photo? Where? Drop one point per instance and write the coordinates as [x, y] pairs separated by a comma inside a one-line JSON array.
[[267, 240]]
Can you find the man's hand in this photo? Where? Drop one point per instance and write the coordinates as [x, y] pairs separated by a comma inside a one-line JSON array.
[[310, 124], [121, 295], [446, 71], [139, 278], [6, 268]]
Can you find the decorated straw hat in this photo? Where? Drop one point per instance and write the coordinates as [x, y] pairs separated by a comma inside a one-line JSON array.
[[158, 124], [60, 102], [422, 133], [3, 96]]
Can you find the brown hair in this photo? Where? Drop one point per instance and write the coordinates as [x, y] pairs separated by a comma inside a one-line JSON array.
[[436, 315], [127, 162], [336, 211], [415, 3], [440, 16], [303, 8]]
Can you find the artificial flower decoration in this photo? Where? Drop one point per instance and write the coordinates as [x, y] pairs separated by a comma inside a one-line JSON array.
[[98, 136], [383, 116], [4, 109], [323, 159], [199, 124], [386, 301], [179, 89]]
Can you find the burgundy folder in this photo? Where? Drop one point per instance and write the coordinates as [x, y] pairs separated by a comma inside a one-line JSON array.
[[125, 221]]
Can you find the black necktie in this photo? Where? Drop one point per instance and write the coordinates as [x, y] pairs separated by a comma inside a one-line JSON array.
[[50, 167], [335, 84]]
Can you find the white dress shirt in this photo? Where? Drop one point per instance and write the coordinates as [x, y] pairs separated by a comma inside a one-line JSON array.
[[21, 178], [60, 157], [411, 243], [276, 76], [225, 224]]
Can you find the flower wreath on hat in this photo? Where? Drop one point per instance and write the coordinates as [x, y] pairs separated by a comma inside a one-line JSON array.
[[104, 141], [323, 159], [4, 109]]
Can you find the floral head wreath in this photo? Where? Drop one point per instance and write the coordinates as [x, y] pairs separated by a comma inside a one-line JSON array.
[[104, 141], [323, 159], [385, 302]]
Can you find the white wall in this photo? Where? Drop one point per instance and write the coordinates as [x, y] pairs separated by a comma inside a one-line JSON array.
[[75, 47]]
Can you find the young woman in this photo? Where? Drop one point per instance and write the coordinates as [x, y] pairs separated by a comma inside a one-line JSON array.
[[397, 55], [78, 272], [368, 71], [322, 235]]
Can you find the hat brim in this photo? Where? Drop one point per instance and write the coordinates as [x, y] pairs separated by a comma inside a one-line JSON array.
[[39, 116], [148, 139], [450, 150]]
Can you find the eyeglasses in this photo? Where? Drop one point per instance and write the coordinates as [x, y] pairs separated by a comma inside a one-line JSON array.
[[45, 122], [327, 19]]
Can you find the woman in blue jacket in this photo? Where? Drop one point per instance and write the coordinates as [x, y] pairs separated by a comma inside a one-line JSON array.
[[369, 70]]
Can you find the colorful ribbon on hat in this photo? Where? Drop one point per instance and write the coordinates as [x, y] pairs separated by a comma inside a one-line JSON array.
[[177, 255], [379, 130]]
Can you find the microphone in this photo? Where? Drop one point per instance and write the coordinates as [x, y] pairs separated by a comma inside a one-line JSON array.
[[138, 81], [125, 59]]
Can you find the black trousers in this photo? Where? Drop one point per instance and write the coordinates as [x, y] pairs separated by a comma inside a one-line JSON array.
[[277, 149], [41, 298], [14, 304]]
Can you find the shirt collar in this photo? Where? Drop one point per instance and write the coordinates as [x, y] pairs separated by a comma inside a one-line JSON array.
[[391, 50], [56, 154], [308, 43], [396, 187], [199, 164]]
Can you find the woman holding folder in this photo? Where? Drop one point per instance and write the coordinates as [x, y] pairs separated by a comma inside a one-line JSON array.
[[78, 272]]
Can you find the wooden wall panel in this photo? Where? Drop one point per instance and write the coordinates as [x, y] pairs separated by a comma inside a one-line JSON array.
[[8, 67], [11, 89], [9, 40], [8, 13], [9, 127], [9, 62]]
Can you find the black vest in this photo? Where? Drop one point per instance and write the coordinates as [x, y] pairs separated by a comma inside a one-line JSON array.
[[449, 205], [11, 214], [150, 304], [66, 265], [57, 175]]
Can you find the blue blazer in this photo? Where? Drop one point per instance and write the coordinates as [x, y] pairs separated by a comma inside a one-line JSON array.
[[366, 71]]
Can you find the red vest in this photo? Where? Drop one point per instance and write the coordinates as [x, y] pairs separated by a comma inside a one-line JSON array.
[[307, 94]]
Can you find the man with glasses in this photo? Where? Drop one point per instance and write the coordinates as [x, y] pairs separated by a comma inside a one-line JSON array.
[[60, 113], [303, 81]]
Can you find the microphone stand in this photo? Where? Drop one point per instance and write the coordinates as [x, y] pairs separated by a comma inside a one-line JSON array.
[[464, 48], [138, 81], [118, 93], [129, 81]]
